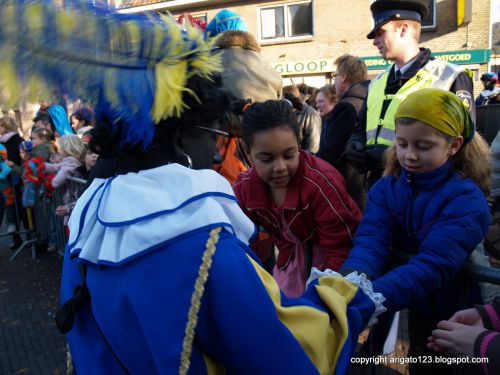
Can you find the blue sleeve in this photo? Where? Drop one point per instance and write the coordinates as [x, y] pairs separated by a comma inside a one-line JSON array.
[[4, 170], [374, 235], [462, 224]]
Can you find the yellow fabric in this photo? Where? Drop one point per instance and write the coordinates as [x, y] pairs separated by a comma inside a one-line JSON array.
[[440, 109], [376, 96], [213, 368], [173, 74], [320, 338]]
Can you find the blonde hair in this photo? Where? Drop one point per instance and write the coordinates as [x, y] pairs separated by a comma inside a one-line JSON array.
[[353, 67], [473, 160], [72, 145], [330, 93], [8, 123]]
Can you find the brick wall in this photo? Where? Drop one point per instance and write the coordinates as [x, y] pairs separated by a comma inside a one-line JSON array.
[[340, 26]]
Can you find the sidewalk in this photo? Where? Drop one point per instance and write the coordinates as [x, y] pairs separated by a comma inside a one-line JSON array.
[[29, 340]]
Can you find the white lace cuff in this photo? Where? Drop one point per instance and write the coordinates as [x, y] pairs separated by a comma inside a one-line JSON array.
[[361, 281]]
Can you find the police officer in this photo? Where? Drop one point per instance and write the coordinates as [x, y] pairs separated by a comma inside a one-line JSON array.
[[396, 34]]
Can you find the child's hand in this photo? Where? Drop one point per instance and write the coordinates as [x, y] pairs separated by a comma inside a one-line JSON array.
[[9, 163], [469, 317], [454, 338], [62, 211]]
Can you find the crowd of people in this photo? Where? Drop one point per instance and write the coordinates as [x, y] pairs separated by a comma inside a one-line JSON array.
[[32, 169], [232, 224]]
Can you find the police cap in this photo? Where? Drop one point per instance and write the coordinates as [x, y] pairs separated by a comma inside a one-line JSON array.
[[384, 11]]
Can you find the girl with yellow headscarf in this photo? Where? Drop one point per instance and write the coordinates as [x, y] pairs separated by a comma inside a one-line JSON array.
[[431, 203]]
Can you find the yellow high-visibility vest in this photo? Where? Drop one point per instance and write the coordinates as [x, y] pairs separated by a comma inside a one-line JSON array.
[[436, 74]]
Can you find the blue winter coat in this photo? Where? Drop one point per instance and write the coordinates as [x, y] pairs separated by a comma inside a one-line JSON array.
[[438, 216]]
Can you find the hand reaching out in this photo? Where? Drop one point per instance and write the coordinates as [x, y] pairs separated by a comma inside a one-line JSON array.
[[469, 317], [62, 211], [455, 338]]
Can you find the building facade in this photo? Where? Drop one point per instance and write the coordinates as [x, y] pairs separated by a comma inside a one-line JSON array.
[[302, 38]]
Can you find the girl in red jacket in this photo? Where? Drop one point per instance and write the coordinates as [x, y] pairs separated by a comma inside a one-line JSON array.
[[299, 199]]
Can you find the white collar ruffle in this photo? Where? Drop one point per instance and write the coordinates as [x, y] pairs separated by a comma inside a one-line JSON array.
[[121, 218]]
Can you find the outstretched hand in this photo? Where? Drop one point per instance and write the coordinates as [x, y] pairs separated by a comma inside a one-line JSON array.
[[469, 317], [454, 338]]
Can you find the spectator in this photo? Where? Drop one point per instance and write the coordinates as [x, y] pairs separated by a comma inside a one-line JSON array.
[[473, 333], [25, 150], [490, 92], [431, 203], [299, 199], [7, 191], [81, 121], [60, 120], [43, 144], [308, 94], [338, 125], [42, 120], [223, 21], [326, 99], [83, 172], [10, 138], [72, 152], [309, 121]]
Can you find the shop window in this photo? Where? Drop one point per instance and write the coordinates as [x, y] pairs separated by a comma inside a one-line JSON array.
[[286, 21]]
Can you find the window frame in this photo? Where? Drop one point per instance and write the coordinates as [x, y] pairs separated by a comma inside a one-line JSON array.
[[287, 23], [432, 11]]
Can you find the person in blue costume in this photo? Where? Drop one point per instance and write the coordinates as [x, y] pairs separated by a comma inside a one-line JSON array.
[[431, 203], [157, 274]]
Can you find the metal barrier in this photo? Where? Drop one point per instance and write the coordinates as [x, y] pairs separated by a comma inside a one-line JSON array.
[[44, 227], [487, 121]]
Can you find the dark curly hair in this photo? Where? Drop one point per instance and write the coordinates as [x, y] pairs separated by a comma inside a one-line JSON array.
[[268, 115]]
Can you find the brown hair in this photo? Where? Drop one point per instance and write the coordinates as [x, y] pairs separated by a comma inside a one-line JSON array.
[[473, 160], [44, 134], [291, 89], [8, 123], [353, 67]]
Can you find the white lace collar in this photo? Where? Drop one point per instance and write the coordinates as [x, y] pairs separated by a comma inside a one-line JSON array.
[[120, 218]]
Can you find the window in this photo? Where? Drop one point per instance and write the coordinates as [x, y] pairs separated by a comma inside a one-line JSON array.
[[286, 21], [429, 22]]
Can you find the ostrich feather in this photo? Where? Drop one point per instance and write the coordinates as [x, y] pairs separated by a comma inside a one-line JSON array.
[[133, 68]]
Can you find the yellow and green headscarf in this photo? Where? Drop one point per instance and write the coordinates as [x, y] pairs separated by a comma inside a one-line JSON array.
[[440, 109]]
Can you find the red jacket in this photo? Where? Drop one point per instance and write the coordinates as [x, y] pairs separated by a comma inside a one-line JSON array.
[[317, 210]]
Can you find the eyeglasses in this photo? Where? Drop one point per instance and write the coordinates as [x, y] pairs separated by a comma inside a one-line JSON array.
[[214, 131]]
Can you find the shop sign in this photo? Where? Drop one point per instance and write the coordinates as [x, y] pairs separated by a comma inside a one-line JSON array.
[[456, 57], [304, 67]]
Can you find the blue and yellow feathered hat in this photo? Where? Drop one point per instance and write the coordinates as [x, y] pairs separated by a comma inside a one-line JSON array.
[[133, 68]]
